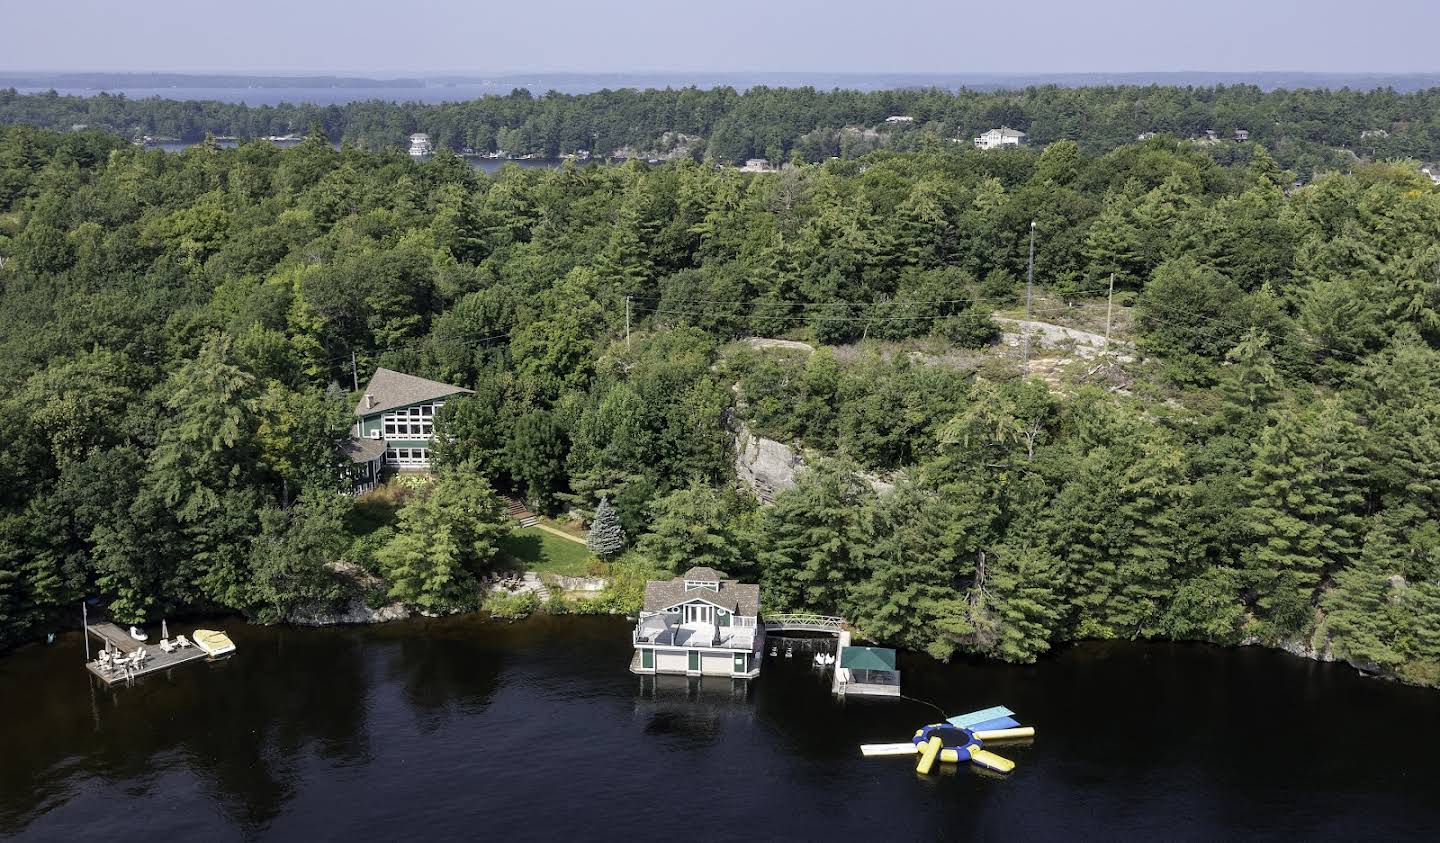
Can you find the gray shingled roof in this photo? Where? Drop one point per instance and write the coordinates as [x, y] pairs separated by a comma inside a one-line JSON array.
[[362, 450], [702, 573], [739, 598], [391, 389]]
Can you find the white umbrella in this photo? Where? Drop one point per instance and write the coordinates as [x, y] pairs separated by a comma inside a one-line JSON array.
[[164, 629]]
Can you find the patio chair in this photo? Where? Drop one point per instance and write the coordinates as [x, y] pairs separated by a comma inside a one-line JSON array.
[[168, 646], [182, 641]]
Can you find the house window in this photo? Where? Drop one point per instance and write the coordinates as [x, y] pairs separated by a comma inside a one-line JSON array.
[[694, 660], [647, 659], [742, 663], [411, 422], [415, 457]]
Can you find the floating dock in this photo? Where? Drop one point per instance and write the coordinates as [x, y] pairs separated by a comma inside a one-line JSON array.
[[879, 679], [115, 639]]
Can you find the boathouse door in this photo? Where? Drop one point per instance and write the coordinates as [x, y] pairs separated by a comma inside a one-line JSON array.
[[699, 613]]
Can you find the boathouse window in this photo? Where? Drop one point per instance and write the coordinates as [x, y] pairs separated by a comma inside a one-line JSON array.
[[647, 659], [711, 585], [694, 660]]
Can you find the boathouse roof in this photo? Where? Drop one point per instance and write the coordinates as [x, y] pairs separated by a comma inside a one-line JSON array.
[[389, 389], [736, 597]]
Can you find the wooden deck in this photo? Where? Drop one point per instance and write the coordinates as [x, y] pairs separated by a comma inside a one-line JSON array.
[[156, 659]]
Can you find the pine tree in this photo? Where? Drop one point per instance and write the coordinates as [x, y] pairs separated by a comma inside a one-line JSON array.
[[607, 538], [812, 537], [919, 560], [1020, 609], [1305, 489]]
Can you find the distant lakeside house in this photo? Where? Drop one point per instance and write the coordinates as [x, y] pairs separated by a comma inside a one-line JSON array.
[[997, 138], [395, 423], [699, 624]]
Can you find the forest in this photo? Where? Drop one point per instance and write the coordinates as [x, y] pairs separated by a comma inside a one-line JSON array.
[[1261, 466], [1304, 130]]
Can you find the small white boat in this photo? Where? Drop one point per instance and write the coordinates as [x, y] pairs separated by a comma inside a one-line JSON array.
[[789, 650], [829, 658], [213, 642], [138, 634]]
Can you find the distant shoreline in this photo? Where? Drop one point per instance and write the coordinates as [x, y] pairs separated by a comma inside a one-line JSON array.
[[579, 83]]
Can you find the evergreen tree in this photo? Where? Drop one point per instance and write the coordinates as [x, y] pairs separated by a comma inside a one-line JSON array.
[[607, 537], [1306, 497]]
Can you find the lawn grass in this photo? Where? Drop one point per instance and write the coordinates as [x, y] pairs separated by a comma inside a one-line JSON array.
[[536, 550]]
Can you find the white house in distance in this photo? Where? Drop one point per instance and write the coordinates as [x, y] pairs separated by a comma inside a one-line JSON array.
[[899, 118], [420, 145], [997, 138], [700, 624]]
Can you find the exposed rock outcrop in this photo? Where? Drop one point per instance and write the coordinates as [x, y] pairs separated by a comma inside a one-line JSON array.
[[355, 612], [1046, 335], [766, 466]]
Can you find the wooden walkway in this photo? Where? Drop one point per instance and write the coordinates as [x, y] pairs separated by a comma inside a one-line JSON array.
[[156, 660]]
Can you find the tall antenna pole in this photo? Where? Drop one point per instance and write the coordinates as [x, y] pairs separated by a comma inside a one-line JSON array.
[[627, 323], [354, 371], [1109, 309], [1029, 294]]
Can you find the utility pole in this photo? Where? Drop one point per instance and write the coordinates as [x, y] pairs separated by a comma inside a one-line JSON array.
[[354, 372], [1109, 309], [627, 323], [1029, 294]]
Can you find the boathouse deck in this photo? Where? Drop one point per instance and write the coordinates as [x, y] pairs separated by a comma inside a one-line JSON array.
[[156, 660]]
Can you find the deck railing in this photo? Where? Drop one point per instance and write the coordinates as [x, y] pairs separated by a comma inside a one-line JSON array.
[[804, 622]]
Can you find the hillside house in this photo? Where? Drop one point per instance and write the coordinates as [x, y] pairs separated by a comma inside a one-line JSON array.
[[395, 423], [997, 138], [699, 624], [899, 118]]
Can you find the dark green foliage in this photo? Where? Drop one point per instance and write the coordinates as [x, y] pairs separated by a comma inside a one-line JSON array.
[[180, 328], [446, 536]]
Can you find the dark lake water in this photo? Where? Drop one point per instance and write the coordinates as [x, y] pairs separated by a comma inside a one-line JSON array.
[[467, 728]]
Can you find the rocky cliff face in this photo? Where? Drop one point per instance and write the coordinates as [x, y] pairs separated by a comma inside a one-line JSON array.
[[766, 466]]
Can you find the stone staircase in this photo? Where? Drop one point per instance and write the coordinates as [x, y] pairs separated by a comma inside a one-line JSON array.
[[520, 512]]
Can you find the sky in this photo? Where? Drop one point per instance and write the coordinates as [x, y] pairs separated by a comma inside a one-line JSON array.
[[414, 37]]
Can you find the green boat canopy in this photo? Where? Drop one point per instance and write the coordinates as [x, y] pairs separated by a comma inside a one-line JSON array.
[[868, 658]]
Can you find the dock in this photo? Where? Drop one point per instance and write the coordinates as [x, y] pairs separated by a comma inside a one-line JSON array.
[[115, 639], [870, 681]]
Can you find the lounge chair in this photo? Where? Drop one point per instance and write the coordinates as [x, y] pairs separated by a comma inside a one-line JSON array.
[[182, 641], [168, 645]]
